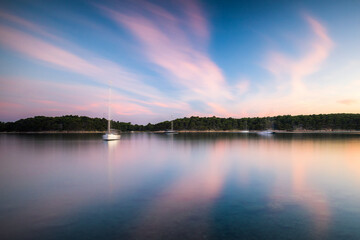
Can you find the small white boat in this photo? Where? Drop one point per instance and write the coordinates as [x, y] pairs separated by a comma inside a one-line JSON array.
[[111, 136], [246, 129], [266, 132], [171, 131]]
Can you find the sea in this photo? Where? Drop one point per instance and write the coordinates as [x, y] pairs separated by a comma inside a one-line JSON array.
[[180, 186]]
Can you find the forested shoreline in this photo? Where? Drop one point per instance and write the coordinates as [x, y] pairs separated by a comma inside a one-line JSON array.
[[327, 122]]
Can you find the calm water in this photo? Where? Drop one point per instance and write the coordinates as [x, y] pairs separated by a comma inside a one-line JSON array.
[[185, 186]]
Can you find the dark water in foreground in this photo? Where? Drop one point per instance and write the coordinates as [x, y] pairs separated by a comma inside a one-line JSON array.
[[185, 186]]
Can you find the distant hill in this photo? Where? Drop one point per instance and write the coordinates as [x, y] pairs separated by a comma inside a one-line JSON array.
[[343, 121]]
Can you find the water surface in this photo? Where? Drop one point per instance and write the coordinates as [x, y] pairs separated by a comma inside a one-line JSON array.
[[184, 186]]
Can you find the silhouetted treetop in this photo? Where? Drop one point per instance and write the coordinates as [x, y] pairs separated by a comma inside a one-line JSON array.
[[342, 121]]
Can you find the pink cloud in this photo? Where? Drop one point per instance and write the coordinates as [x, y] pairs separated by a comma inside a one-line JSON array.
[[242, 87], [196, 21], [7, 105], [27, 24], [347, 101], [29, 97], [7, 108], [130, 109], [220, 110], [284, 67], [31, 46]]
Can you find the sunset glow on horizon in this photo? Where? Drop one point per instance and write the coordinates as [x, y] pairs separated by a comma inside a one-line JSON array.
[[173, 59]]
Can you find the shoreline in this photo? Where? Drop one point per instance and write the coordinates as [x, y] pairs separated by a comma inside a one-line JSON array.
[[52, 132], [339, 131], [275, 131]]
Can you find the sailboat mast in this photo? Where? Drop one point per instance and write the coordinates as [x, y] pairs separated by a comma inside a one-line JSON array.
[[109, 110], [172, 126]]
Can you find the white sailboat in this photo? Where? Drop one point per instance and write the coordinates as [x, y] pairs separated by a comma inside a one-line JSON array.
[[268, 131], [171, 131], [246, 128], [108, 136]]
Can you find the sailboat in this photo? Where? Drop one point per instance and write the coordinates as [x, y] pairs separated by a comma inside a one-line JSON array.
[[108, 136], [171, 131], [246, 128], [269, 130], [266, 132]]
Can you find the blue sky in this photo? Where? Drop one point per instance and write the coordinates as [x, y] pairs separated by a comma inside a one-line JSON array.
[[171, 59]]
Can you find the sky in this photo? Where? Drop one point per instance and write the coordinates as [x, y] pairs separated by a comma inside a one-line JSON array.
[[172, 59]]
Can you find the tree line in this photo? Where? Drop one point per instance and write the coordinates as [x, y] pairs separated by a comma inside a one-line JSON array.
[[285, 122]]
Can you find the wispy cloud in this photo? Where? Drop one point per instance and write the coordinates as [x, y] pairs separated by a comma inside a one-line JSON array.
[[41, 50], [98, 69], [168, 45], [197, 21], [286, 68], [29, 97], [347, 101], [289, 92], [242, 87], [28, 25]]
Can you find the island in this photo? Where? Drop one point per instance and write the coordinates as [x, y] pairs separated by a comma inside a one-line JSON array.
[[285, 123]]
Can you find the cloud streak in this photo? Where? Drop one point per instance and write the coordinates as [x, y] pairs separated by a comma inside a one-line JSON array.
[[347, 101], [103, 71], [285, 67], [27, 25], [29, 97]]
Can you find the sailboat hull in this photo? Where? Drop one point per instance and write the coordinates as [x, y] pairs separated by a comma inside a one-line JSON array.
[[170, 132], [111, 137], [267, 132]]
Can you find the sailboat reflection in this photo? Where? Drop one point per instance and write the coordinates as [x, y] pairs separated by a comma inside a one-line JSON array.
[[111, 147]]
